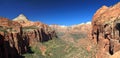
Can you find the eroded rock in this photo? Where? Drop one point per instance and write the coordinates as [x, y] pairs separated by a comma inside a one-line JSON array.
[[105, 29], [17, 38]]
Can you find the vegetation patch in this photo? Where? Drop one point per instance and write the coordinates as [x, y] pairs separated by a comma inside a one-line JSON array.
[[29, 28], [3, 29], [78, 35], [58, 48], [60, 34]]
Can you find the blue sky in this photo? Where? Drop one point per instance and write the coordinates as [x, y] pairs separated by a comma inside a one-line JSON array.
[[61, 12]]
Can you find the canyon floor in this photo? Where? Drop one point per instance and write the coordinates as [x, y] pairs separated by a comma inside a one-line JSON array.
[[65, 46]]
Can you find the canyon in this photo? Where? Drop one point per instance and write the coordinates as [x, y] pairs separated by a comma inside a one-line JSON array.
[[99, 38]]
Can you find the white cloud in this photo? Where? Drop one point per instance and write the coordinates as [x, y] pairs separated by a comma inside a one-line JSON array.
[[62, 25], [88, 22], [85, 23]]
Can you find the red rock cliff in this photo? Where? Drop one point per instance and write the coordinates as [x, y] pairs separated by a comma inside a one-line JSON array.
[[16, 39], [106, 31]]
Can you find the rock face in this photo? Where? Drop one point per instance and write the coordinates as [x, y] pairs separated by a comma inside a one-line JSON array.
[[17, 38], [106, 31], [74, 29], [39, 30]]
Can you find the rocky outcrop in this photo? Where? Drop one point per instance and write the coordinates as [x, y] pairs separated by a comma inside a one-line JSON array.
[[17, 38], [24, 21], [9, 32], [21, 18], [106, 31], [37, 30]]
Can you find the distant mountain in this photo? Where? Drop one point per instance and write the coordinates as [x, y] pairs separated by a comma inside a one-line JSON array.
[[74, 28], [24, 21], [21, 18]]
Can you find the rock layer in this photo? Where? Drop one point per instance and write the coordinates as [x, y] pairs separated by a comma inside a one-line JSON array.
[[17, 39], [106, 31]]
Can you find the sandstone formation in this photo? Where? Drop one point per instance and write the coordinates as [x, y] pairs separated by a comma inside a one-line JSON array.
[[106, 31], [73, 33], [73, 28], [17, 36], [25, 22]]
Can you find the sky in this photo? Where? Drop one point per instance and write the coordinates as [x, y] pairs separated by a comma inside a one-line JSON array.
[[60, 12]]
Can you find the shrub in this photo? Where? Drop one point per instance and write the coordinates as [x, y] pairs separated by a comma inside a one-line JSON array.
[[78, 35], [29, 28], [60, 34], [3, 29]]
